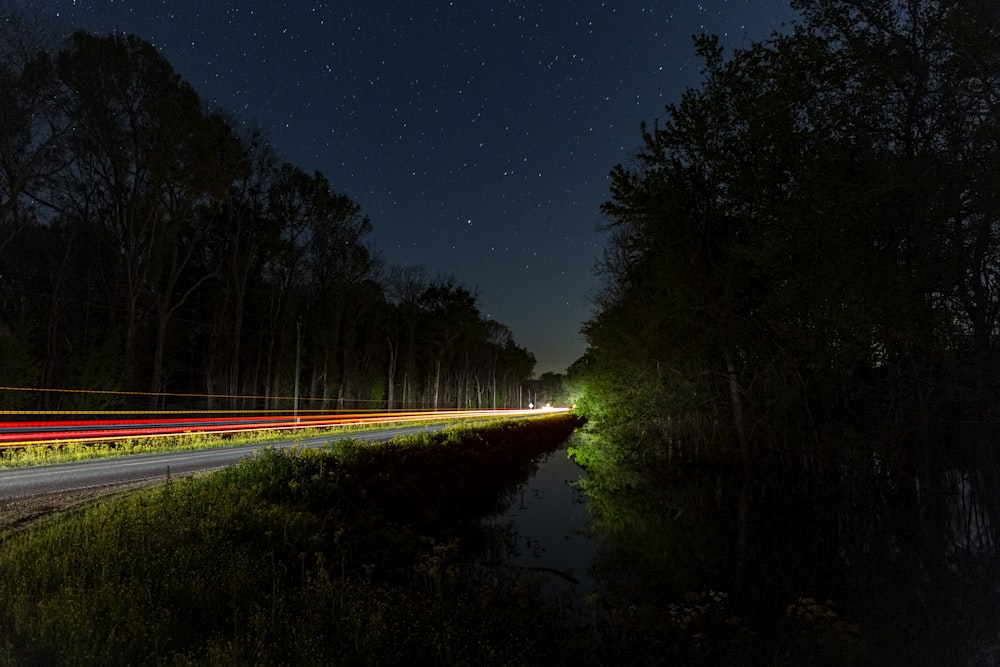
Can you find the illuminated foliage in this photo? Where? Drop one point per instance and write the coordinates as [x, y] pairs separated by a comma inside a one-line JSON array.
[[343, 556], [809, 241]]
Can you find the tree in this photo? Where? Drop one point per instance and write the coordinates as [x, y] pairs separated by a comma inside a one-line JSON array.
[[497, 338], [551, 390], [404, 285], [339, 267], [809, 233], [518, 365], [318, 258], [125, 207], [144, 157], [242, 237], [33, 119], [448, 312]]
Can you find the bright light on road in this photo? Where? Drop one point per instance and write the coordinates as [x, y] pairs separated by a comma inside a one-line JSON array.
[[129, 425]]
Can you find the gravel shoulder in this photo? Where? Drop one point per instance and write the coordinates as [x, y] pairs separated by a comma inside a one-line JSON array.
[[22, 511]]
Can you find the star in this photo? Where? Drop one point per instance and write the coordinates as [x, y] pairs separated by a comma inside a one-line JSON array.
[[514, 111]]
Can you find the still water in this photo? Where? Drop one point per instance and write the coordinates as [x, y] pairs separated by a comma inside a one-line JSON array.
[[876, 560], [550, 525]]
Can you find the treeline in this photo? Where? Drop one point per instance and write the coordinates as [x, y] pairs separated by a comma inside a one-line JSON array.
[[807, 248], [150, 245]]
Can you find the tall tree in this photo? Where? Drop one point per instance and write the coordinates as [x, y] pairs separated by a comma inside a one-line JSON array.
[[320, 253], [811, 230], [243, 235], [33, 119], [144, 154], [404, 284], [497, 337], [125, 207], [448, 310]]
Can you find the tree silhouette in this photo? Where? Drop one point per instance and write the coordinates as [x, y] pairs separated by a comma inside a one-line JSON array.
[[150, 245], [808, 242]]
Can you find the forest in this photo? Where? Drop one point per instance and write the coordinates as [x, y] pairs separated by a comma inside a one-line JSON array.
[[791, 375], [792, 364], [162, 252], [806, 249]]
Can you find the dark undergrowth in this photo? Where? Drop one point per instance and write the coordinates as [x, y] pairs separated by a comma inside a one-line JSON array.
[[369, 554], [359, 554]]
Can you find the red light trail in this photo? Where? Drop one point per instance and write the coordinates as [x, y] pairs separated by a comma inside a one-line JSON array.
[[31, 433]]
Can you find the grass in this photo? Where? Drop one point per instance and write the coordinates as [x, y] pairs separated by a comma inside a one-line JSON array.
[[15, 456], [356, 554]]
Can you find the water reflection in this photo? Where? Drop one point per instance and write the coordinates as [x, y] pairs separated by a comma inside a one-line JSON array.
[[549, 524], [890, 560]]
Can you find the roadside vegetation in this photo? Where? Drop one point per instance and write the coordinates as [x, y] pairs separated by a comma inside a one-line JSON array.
[[362, 554], [795, 351], [356, 554], [66, 452]]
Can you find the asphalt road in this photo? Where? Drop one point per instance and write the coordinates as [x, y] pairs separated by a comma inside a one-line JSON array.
[[65, 477]]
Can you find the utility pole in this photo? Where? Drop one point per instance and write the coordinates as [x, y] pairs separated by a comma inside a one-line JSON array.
[[298, 355]]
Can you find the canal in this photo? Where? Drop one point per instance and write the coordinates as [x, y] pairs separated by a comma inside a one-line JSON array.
[[868, 562]]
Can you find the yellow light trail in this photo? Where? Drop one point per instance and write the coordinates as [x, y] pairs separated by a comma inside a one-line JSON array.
[[82, 431]]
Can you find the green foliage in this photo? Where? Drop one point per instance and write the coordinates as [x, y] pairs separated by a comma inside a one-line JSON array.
[[552, 390], [356, 555], [697, 567], [805, 244], [60, 453]]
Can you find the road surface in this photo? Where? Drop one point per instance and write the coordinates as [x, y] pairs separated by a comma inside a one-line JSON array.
[[21, 483]]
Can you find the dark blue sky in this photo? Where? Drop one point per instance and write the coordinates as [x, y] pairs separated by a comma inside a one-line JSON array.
[[476, 134]]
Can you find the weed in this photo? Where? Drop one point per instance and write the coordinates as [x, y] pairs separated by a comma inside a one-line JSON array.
[[352, 554]]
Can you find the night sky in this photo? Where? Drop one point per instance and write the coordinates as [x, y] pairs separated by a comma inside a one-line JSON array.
[[476, 134]]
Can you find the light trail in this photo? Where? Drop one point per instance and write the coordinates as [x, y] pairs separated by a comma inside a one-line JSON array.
[[60, 432]]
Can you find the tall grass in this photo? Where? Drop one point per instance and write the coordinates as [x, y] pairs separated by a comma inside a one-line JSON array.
[[357, 554], [67, 452]]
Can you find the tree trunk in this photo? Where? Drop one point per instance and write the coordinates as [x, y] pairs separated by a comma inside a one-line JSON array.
[[391, 374], [437, 382]]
